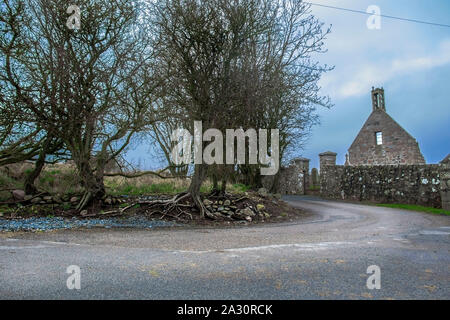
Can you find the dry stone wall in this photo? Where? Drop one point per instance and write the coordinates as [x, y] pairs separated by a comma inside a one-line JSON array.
[[410, 184]]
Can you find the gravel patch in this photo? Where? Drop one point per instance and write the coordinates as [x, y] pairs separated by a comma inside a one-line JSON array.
[[57, 223]]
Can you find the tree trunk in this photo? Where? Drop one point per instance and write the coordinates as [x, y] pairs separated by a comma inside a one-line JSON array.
[[224, 186], [194, 187], [29, 186], [275, 183], [215, 181], [92, 183], [251, 176]]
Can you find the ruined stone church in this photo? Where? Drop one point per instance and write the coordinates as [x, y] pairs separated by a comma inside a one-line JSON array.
[[382, 141]]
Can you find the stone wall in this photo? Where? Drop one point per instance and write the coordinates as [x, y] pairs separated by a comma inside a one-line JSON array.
[[445, 183], [293, 179], [409, 184]]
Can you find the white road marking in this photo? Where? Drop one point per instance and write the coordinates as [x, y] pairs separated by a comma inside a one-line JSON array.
[[24, 247], [434, 233], [40, 244], [297, 246]]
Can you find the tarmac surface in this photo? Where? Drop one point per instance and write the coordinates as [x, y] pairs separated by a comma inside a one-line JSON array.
[[323, 256]]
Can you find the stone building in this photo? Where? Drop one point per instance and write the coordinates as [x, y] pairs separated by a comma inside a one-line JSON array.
[[382, 141]]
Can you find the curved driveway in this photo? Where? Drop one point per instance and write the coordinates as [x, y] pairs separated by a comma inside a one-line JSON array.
[[323, 256]]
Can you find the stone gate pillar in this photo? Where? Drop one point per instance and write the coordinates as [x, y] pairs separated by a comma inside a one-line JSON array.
[[302, 167], [327, 161], [444, 176], [314, 181]]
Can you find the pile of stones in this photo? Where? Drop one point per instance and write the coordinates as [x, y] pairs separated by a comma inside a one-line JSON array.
[[109, 201], [228, 208], [262, 192]]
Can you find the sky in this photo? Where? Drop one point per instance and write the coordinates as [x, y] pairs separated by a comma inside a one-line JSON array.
[[410, 61]]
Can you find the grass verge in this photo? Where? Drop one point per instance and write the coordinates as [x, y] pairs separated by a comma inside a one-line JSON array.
[[414, 207]]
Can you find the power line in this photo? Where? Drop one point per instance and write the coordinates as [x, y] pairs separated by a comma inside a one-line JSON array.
[[381, 15]]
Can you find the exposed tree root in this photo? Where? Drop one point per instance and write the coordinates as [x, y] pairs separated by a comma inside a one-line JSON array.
[[178, 207], [87, 196], [205, 212], [174, 208]]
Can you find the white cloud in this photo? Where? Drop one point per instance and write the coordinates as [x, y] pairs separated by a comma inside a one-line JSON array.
[[356, 81]]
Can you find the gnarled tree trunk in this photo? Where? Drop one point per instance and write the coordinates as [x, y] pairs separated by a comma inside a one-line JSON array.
[[29, 186], [194, 188], [92, 182]]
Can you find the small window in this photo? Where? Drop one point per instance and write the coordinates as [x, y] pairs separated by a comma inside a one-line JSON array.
[[379, 137]]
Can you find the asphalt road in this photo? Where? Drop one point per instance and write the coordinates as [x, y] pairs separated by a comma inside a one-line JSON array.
[[324, 256]]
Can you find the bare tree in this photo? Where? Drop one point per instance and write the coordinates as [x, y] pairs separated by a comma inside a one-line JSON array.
[[19, 138], [145, 65], [160, 135], [241, 64], [281, 80], [199, 43], [92, 87]]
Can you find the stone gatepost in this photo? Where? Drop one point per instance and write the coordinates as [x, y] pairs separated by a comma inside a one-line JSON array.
[[302, 166], [327, 160], [444, 176], [315, 178]]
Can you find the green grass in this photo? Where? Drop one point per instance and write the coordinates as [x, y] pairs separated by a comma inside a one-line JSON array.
[[238, 188], [57, 181], [415, 208], [157, 188], [8, 183], [170, 187], [205, 189]]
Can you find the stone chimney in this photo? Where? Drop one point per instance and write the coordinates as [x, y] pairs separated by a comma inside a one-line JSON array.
[[378, 99], [347, 162]]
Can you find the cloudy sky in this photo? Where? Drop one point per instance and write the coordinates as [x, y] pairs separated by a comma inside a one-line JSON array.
[[410, 60]]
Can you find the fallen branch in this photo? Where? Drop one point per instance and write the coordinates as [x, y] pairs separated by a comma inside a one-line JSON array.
[[158, 173], [242, 198]]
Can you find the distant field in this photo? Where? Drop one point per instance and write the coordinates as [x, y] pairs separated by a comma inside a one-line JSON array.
[[63, 179]]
